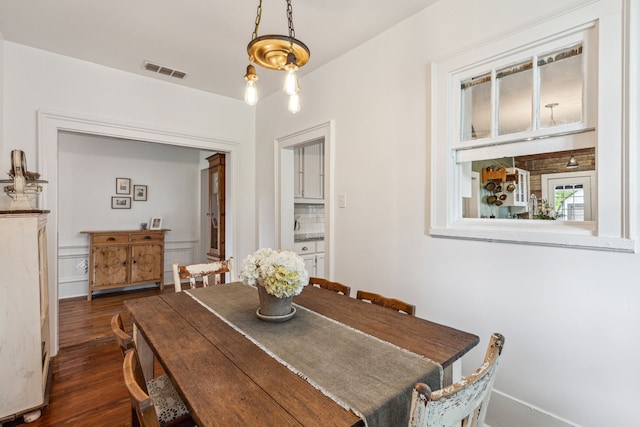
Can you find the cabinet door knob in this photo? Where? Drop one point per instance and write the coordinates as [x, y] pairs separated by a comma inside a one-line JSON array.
[[304, 248], [147, 237], [111, 239]]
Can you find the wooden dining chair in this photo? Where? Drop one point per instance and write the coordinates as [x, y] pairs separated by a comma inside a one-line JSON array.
[[124, 340], [463, 403], [153, 403], [392, 303], [195, 272], [329, 285], [161, 387]]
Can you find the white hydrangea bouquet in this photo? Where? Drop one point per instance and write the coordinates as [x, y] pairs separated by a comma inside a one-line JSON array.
[[281, 272]]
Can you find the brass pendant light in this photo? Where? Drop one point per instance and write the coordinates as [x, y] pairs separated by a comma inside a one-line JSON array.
[[276, 52]]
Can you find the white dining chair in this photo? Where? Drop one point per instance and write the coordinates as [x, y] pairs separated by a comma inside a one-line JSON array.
[[193, 272], [463, 403]]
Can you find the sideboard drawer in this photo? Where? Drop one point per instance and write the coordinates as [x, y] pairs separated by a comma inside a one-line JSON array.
[[109, 238], [147, 237]]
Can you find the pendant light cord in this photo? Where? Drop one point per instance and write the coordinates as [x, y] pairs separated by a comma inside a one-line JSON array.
[[258, 17], [292, 32]]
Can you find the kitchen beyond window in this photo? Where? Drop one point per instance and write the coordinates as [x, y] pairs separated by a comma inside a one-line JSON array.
[[496, 114]]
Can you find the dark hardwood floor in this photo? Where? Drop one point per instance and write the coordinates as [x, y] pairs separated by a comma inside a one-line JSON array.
[[87, 386]]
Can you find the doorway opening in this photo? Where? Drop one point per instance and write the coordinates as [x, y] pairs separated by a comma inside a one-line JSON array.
[[304, 219], [51, 123]]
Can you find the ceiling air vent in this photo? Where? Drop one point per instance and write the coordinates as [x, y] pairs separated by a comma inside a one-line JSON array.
[[161, 69]]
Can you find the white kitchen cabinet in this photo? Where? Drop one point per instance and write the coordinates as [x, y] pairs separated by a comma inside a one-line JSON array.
[[320, 265], [519, 196], [312, 252], [298, 172], [310, 263], [308, 168], [24, 314]]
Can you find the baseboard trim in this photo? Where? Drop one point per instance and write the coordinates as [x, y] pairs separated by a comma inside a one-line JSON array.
[[507, 411]]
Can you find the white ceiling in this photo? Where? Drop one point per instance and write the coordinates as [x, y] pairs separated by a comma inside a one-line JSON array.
[[205, 39]]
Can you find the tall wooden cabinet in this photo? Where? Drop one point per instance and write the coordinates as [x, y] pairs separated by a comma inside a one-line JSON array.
[[24, 313], [125, 258], [217, 207]]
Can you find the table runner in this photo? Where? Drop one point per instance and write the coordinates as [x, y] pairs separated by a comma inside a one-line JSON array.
[[360, 372]]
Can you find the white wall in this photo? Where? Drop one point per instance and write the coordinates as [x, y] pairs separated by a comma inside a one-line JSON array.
[[571, 343], [36, 80], [1, 93], [91, 164]]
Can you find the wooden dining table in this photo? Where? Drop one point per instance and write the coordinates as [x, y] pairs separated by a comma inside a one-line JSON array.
[[226, 379]]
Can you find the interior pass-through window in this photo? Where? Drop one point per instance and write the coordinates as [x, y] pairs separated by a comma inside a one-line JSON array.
[[528, 141]]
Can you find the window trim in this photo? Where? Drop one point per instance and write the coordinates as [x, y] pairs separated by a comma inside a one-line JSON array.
[[580, 34], [611, 232]]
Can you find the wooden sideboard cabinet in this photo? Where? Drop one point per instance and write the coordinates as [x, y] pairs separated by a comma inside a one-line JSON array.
[[24, 314], [125, 258]]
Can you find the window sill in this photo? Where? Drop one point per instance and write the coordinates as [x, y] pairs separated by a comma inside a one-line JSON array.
[[565, 234]]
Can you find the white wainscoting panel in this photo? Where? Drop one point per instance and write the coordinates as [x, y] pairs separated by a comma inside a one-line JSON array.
[[72, 271]]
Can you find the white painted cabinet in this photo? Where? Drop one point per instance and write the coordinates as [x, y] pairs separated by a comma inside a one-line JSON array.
[[320, 265], [24, 313], [309, 173], [310, 263], [312, 252], [520, 195]]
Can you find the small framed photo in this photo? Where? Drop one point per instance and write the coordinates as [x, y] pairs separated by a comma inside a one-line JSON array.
[[121, 203], [140, 192], [123, 185], [155, 223]]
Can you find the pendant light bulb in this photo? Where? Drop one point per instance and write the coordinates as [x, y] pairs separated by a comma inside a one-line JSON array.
[[291, 83], [251, 93], [251, 90], [294, 103]]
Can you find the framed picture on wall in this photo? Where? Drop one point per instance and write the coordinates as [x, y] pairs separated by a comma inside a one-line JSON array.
[[140, 193], [155, 223], [121, 203], [123, 185]]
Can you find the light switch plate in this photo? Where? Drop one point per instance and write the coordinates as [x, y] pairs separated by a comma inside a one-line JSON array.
[[342, 200]]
